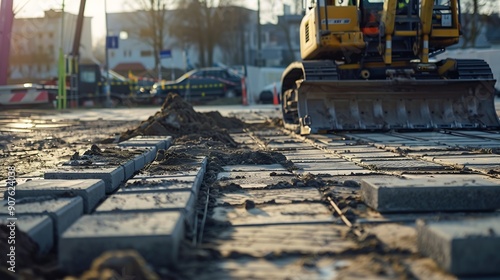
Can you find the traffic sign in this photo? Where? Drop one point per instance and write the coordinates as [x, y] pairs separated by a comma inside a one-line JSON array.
[[112, 42], [166, 54]]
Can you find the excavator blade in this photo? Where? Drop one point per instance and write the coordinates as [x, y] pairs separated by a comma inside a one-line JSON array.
[[398, 104]]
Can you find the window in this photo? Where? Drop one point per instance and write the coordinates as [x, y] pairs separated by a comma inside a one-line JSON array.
[[146, 53]]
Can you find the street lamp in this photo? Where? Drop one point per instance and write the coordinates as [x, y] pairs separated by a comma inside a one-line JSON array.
[[107, 89]]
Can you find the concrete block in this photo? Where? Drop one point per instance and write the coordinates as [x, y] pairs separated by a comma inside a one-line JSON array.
[[62, 211], [156, 236], [112, 176], [147, 202], [258, 167], [400, 164], [91, 191], [156, 185], [160, 142], [150, 155], [430, 194], [139, 162], [39, 227], [462, 247], [128, 169]]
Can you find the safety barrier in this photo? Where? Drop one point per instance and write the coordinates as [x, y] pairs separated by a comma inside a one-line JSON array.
[[26, 94]]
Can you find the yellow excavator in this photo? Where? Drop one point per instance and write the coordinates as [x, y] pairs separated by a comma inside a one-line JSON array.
[[367, 65]]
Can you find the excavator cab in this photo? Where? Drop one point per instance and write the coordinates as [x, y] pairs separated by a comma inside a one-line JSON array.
[[366, 65]]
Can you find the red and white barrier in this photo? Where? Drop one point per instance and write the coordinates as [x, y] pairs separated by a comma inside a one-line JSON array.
[[23, 95]]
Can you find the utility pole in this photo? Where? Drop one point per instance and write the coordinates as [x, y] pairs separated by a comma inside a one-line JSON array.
[[107, 89], [61, 80], [6, 20], [259, 39]]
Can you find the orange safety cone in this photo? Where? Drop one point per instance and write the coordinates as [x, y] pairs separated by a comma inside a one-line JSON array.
[[275, 95], [244, 97]]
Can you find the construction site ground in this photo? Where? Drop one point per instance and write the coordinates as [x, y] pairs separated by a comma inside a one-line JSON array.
[[265, 202]]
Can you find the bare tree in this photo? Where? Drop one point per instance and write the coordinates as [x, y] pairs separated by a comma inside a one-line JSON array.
[[474, 17], [152, 24], [204, 24]]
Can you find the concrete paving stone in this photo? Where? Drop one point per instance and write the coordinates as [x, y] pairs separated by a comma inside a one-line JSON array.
[[377, 137], [139, 162], [92, 191], [147, 202], [296, 213], [150, 155], [416, 148], [19, 180], [156, 236], [312, 154], [62, 211], [465, 160], [156, 185], [335, 172], [404, 164], [327, 165], [128, 169], [262, 241], [38, 227], [432, 154], [494, 135], [430, 136], [160, 142], [277, 146], [430, 194], [252, 180], [255, 167], [325, 138], [462, 247], [484, 168], [112, 176], [358, 157], [278, 196], [354, 149]]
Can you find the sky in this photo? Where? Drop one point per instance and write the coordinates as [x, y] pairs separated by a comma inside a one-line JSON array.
[[96, 10]]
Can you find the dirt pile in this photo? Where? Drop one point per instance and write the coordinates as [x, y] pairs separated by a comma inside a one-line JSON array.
[[177, 118]]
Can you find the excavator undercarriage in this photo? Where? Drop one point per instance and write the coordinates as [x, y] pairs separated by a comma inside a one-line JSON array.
[[387, 81]]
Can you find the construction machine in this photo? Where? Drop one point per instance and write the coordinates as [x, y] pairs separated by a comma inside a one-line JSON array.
[[367, 65]]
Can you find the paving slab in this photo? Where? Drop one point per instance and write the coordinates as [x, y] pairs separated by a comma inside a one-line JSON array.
[[262, 241], [92, 191], [128, 169], [253, 180], [327, 165], [112, 176], [286, 146], [336, 172], [312, 154], [401, 164], [62, 211], [160, 142], [195, 179], [278, 196], [157, 185], [464, 160], [38, 227], [156, 236], [296, 213], [377, 137], [150, 155], [255, 167], [147, 202], [430, 194], [462, 247], [139, 162]]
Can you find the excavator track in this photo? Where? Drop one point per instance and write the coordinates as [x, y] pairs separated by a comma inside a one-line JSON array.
[[317, 101]]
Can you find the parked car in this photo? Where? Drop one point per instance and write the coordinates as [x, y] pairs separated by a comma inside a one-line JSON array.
[[199, 85], [266, 95]]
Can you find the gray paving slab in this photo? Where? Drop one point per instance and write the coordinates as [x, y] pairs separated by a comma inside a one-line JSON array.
[[160, 142], [157, 185], [38, 227], [112, 176], [354, 149], [255, 167], [285, 146], [147, 202], [483, 134], [195, 178], [92, 191], [327, 165], [139, 162], [150, 155], [262, 241], [377, 137], [464, 160], [156, 236], [430, 194], [128, 169], [278, 196], [296, 213], [309, 154], [462, 247], [401, 164], [62, 211], [253, 180], [415, 148], [335, 172]]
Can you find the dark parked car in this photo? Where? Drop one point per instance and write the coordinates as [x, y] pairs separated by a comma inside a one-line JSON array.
[[199, 85]]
